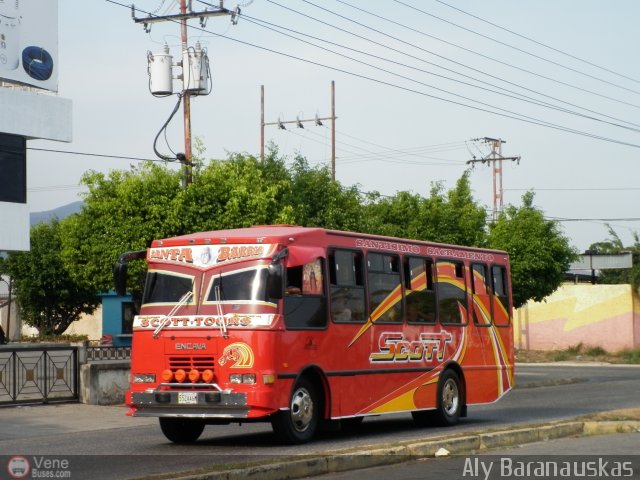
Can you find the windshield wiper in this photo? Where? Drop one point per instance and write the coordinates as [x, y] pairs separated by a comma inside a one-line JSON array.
[[167, 318], [223, 321]]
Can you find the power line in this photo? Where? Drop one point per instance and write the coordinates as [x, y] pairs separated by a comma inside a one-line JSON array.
[[570, 85], [519, 97], [557, 64], [540, 43], [627, 219], [409, 90], [88, 154], [482, 55], [585, 189], [384, 155]]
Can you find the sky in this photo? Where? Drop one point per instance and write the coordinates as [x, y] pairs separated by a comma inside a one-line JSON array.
[[415, 82]]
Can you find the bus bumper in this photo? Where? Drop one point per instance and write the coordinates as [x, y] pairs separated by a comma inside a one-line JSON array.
[[189, 404]]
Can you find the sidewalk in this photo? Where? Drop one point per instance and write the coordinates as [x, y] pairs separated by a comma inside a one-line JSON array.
[[36, 420]]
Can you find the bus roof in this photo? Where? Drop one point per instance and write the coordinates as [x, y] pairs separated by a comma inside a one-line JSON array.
[[283, 234]]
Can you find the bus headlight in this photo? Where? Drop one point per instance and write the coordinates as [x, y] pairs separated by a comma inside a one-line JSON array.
[[248, 378], [144, 378]]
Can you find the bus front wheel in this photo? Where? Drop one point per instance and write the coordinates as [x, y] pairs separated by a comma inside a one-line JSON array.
[[300, 422], [181, 430]]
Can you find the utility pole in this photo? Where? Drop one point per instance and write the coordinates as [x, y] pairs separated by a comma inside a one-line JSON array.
[[495, 158], [193, 77], [187, 177], [299, 123]]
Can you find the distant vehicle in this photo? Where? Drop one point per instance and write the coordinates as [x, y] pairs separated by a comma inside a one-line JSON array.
[[297, 326]]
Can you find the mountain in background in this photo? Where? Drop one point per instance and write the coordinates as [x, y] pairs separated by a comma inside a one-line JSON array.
[[60, 212]]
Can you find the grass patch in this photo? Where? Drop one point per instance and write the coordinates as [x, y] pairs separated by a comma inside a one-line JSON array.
[[595, 352], [630, 356]]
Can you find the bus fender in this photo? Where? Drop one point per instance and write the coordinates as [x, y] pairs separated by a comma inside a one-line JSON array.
[[319, 378]]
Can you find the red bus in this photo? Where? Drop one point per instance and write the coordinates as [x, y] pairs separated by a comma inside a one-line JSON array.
[[298, 326]]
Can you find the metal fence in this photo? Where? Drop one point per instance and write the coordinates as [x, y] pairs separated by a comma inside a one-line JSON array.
[[108, 353], [38, 374]]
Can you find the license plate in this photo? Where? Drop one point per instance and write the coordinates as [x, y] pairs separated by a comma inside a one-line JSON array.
[[187, 398]]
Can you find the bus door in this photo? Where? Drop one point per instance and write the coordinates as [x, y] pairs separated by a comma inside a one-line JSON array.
[[481, 308], [453, 315], [390, 347]]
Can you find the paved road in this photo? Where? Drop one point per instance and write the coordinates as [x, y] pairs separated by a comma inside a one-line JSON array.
[[545, 393], [591, 453]]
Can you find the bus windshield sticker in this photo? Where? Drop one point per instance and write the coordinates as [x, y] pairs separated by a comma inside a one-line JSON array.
[[231, 320], [204, 256]]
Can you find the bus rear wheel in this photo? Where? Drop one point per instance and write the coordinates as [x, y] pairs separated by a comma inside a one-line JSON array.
[[449, 399], [181, 430], [300, 422], [449, 402]]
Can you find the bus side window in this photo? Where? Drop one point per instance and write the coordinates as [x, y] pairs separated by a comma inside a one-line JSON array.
[[347, 286], [501, 307], [385, 290], [420, 290], [452, 294], [481, 303], [304, 301]]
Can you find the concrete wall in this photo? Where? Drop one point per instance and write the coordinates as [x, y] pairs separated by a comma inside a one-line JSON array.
[[607, 316], [90, 325], [104, 383]]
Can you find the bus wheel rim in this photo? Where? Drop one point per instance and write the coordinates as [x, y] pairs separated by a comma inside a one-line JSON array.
[[301, 409], [450, 397]]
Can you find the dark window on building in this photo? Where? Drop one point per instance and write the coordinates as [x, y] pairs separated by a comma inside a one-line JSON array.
[[452, 295], [347, 286], [420, 290], [385, 291], [13, 169]]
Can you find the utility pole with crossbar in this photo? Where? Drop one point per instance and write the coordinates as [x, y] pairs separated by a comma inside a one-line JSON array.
[[495, 159]]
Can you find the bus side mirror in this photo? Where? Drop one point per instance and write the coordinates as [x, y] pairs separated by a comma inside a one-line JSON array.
[[120, 278], [120, 270], [275, 282]]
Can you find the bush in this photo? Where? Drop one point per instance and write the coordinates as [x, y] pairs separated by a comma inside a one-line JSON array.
[[596, 352], [631, 356], [55, 338]]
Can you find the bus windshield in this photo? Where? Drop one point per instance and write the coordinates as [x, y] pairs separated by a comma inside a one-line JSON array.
[[242, 285], [166, 287]]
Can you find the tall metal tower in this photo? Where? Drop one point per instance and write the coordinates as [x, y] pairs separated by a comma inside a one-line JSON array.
[[495, 159]]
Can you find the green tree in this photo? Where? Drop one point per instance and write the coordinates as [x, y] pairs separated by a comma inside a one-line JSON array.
[[316, 200], [48, 298], [449, 217], [123, 211], [454, 217], [539, 252], [614, 245], [238, 192]]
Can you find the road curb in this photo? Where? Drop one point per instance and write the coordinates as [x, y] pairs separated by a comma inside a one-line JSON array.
[[375, 456]]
